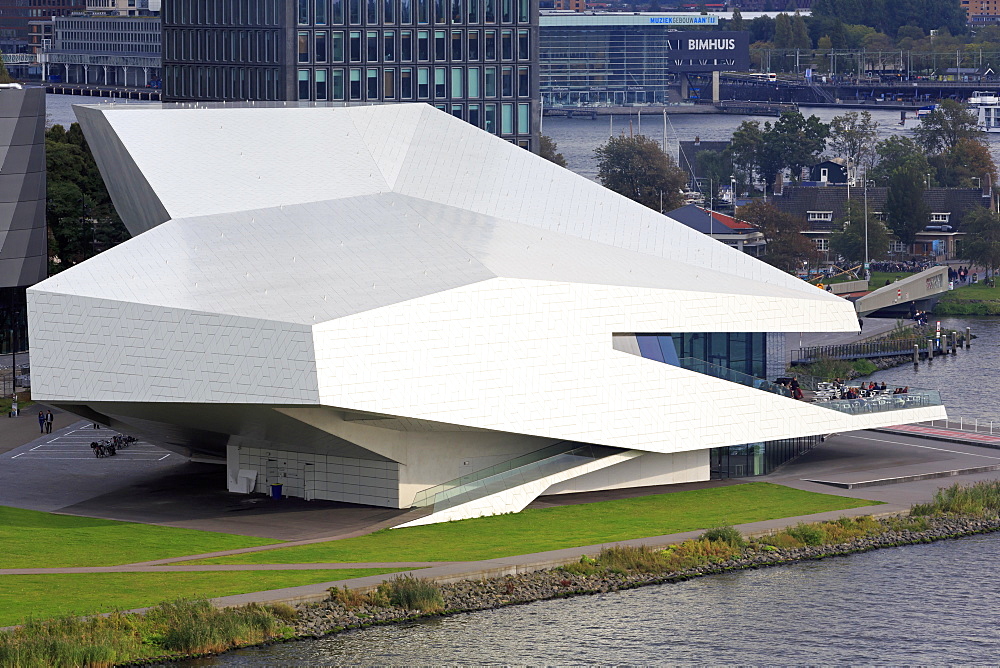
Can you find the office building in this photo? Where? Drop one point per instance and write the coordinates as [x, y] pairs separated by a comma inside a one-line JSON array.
[[473, 59]]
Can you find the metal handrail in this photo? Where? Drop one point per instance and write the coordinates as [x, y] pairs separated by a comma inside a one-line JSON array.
[[725, 373]]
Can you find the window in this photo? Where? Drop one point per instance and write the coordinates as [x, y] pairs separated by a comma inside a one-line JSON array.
[[355, 11], [304, 12], [440, 45], [456, 110], [406, 83], [337, 12], [473, 88], [490, 116], [506, 119], [506, 81], [440, 82], [523, 116], [507, 44], [457, 74], [423, 83], [812, 216], [473, 11], [897, 247], [491, 45], [355, 83], [321, 47], [490, 82], [389, 83], [320, 12], [423, 45], [456, 46], [389, 14], [372, 12], [338, 47], [355, 46], [523, 50], [321, 92], [389, 46], [372, 81], [490, 10], [523, 87], [822, 244], [406, 45], [473, 40], [940, 217], [371, 40], [474, 114], [338, 84], [303, 84], [405, 11]]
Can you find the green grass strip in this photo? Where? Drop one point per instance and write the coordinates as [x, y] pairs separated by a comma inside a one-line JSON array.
[[539, 530], [33, 539], [43, 596]]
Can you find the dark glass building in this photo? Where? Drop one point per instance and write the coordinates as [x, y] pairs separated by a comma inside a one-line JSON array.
[[474, 59]]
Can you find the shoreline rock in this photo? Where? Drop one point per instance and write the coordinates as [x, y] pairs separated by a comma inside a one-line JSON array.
[[328, 617]]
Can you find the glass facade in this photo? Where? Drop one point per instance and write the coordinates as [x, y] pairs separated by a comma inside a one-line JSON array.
[[750, 459], [743, 352], [374, 44], [13, 320]]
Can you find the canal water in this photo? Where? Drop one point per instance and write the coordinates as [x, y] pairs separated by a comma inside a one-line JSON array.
[[923, 604]]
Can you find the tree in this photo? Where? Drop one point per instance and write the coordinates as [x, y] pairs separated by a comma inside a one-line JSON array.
[[982, 239], [782, 31], [548, 149], [79, 214], [965, 165], [745, 148], [637, 168], [737, 22], [848, 237], [796, 140], [800, 34], [942, 129], [897, 153], [853, 136], [787, 248], [906, 212], [716, 166]]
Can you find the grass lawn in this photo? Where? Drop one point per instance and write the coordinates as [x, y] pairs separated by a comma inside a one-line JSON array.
[[975, 292], [566, 526], [44, 596], [33, 539]]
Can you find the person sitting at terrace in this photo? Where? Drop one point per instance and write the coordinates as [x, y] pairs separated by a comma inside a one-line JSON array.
[[883, 387]]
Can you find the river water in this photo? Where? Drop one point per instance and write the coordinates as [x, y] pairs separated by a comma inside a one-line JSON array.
[[924, 604]]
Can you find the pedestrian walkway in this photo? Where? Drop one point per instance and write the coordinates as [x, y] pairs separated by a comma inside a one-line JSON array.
[[923, 430]]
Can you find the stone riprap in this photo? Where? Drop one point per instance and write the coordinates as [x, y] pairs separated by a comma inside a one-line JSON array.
[[331, 616]]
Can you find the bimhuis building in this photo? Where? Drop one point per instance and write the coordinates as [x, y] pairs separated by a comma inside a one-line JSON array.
[[473, 59]]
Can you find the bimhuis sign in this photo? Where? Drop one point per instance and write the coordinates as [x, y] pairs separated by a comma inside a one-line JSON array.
[[707, 51]]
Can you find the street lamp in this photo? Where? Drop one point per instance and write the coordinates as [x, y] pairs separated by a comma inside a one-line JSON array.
[[732, 190], [872, 184]]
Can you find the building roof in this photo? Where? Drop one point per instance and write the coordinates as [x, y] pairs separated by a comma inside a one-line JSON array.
[[697, 218]]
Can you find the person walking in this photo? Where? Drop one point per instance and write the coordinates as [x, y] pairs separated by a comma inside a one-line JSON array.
[[41, 422], [49, 419]]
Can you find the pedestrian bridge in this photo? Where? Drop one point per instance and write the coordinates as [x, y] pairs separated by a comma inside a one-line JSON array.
[[918, 292]]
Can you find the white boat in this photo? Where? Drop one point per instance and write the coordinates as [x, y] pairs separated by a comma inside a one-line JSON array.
[[987, 106]]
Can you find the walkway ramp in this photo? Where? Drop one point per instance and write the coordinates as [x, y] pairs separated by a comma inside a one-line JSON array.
[[921, 289], [509, 487]]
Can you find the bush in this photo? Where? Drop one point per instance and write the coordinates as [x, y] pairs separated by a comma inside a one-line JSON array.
[[807, 534], [410, 593], [977, 500], [349, 598], [725, 534]]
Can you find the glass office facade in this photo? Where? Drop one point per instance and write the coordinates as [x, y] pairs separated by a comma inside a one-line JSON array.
[[750, 459], [474, 59]]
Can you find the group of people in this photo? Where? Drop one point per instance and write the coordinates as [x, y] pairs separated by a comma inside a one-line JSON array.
[[961, 275], [864, 390], [911, 266], [45, 420]]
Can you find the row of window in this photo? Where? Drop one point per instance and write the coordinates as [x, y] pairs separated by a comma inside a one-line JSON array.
[[413, 83], [215, 46], [894, 246], [223, 83], [250, 13], [381, 12], [827, 216], [387, 46]]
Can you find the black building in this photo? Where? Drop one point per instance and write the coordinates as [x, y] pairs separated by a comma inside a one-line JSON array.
[[474, 59]]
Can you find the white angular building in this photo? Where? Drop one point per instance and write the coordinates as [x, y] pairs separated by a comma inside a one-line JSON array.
[[384, 305]]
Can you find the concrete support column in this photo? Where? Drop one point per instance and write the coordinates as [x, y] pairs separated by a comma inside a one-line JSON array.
[[685, 87], [715, 86]]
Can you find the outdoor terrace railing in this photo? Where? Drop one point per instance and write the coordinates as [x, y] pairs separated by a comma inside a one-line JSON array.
[[863, 349], [533, 466], [725, 373], [881, 403]]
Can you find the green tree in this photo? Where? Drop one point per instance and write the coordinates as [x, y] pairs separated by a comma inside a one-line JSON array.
[[965, 165], [787, 248], [898, 153], [800, 34], [782, 31], [906, 212], [981, 246], [745, 148], [853, 136], [848, 237], [716, 166], [80, 216], [798, 141], [942, 129], [548, 149], [637, 168], [737, 23]]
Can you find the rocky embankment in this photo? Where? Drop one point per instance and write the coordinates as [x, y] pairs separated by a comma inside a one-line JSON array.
[[471, 595]]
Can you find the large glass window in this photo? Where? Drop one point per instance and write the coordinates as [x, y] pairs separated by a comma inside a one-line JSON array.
[[524, 11], [490, 82], [474, 115], [491, 45], [371, 91], [406, 45], [372, 12], [507, 44], [337, 85], [523, 82], [423, 11], [406, 83], [523, 46], [337, 12], [337, 48], [423, 83], [440, 82], [388, 11], [506, 119], [371, 42], [354, 10], [473, 11], [303, 47], [506, 81], [440, 11], [321, 91], [457, 74], [389, 46], [473, 43], [320, 15], [456, 46], [304, 84], [490, 11], [303, 12], [473, 88], [523, 122], [490, 118], [456, 11], [440, 46], [423, 45], [389, 83], [506, 13], [355, 83], [321, 53], [457, 110], [406, 11]]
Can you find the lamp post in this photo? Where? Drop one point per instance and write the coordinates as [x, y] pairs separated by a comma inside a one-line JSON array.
[[872, 184], [732, 190]]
